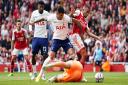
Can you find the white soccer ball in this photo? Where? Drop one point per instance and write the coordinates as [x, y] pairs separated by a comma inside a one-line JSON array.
[[99, 77]]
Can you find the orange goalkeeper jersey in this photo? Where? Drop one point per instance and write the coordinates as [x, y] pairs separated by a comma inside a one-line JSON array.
[[74, 73]]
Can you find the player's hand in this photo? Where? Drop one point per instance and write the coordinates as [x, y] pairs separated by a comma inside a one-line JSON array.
[[42, 19]]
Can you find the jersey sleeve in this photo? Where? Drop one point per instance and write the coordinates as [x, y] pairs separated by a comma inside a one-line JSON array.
[[32, 19], [47, 14], [26, 34], [49, 19], [13, 36], [68, 19]]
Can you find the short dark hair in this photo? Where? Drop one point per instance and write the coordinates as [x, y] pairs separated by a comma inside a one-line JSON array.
[[18, 20], [40, 2], [60, 10]]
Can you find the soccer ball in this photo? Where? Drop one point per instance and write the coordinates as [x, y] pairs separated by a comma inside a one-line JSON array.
[[99, 77]]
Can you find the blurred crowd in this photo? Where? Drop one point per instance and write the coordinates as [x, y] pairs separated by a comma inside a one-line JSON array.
[[106, 18]]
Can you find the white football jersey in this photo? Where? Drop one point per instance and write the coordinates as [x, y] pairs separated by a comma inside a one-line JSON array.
[[40, 27], [60, 27]]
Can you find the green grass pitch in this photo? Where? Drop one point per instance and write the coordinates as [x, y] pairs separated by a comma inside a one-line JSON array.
[[24, 79]]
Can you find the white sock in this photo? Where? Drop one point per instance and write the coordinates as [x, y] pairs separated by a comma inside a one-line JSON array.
[[34, 68], [41, 72], [18, 66], [47, 60], [94, 69]]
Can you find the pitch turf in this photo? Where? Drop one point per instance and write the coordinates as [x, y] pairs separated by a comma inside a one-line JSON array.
[[24, 79]]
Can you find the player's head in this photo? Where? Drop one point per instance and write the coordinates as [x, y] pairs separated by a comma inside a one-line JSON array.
[[98, 44], [40, 6], [72, 58], [78, 14], [60, 13], [18, 24]]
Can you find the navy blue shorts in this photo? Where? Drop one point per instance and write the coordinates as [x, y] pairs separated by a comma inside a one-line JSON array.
[[40, 44], [56, 44]]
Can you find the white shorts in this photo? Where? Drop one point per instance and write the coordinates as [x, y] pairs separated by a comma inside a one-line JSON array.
[[17, 51], [76, 41]]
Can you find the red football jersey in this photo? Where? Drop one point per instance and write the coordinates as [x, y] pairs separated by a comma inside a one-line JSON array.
[[20, 39], [76, 29]]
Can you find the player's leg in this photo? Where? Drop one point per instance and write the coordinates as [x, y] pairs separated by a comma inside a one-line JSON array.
[[83, 54], [44, 48], [14, 54], [94, 66], [100, 65], [68, 48], [58, 78], [25, 53], [78, 45], [44, 53], [47, 60], [54, 48], [53, 79], [76, 77], [35, 50]]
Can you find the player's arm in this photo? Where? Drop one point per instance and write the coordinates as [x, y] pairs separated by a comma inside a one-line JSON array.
[[12, 44], [12, 41], [94, 54], [28, 39], [77, 22], [31, 24], [37, 20], [92, 35], [34, 20], [71, 20], [57, 64]]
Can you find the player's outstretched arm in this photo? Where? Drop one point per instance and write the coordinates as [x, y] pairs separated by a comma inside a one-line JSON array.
[[92, 35], [12, 41], [57, 64]]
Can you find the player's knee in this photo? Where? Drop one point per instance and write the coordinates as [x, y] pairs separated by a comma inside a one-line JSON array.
[[26, 57], [45, 55], [13, 58], [71, 51], [52, 55], [83, 52]]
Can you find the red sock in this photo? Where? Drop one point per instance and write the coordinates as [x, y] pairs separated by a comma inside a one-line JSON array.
[[12, 66], [29, 65]]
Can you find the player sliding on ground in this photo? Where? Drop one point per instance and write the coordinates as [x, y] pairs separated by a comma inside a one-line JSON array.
[[73, 71]]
